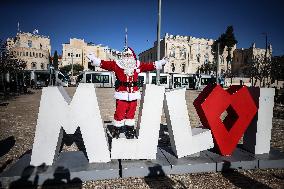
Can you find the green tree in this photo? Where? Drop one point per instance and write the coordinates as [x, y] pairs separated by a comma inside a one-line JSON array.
[[77, 68], [258, 70], [55, 60], [207, 68], [9, 64], [226, 39], [49, 59], [277, 68]]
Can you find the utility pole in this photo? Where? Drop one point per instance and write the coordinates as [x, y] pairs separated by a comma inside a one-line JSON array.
[[158, 40], [218, 47]]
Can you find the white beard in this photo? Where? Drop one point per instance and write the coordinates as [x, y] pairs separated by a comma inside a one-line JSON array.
[[128, 64]]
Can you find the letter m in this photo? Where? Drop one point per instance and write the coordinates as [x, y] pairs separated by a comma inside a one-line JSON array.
[[57, 112]]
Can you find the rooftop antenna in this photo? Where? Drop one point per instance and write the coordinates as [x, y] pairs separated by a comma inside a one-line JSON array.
[[125, 39]]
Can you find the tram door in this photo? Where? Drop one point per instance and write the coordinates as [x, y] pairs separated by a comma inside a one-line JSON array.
[[140, 80], [177, 82]]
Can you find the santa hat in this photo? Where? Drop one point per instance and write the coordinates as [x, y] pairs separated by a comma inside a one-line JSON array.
[[130, 51]]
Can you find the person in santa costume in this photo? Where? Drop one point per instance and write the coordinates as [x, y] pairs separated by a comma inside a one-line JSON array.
[[127, 92]]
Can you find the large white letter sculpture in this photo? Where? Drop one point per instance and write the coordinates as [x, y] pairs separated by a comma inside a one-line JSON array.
[[184, 140], [56, 111], [145, 147], [258, 135]]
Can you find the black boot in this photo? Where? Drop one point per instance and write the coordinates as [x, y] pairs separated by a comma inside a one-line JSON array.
[[115, 132], [130, 132]]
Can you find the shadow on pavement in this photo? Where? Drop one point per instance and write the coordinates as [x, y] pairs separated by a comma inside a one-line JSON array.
[[158, 179], [240, 180], [6, 145], [61, 179]]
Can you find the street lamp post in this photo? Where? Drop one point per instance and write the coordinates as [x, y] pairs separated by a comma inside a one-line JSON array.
[[50, 75], [158, 40], [217, 70]]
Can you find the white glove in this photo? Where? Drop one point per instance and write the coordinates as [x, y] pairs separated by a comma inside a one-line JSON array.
[[95, 61], [159, 63]]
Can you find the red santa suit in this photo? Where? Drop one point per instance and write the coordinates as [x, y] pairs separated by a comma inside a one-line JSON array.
[[126, 91]]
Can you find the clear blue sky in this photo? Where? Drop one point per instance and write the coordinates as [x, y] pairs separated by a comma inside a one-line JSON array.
[[103, 22]]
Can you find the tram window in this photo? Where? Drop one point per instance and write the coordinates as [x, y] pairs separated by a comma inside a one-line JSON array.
[[88, 78], [205, 81], [79, 78], [185, 80], [153, 80], [163, 80], [96, 78], [105, 79], [140, 80]]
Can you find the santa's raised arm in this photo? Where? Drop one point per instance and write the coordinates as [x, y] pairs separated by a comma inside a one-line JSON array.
[[127, 91]]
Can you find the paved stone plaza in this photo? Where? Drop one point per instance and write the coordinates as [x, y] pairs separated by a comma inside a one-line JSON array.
[[17, 128]]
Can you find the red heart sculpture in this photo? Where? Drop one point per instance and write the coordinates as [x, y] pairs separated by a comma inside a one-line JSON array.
[[241, 109]]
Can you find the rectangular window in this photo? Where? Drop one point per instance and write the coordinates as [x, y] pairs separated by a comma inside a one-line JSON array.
[[68, 54], [29, 43], [96, 78], [88, 78], [76, 55], [105, 79], [27, 53]]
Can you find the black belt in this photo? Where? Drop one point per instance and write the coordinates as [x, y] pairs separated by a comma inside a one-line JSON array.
[[119, 83]]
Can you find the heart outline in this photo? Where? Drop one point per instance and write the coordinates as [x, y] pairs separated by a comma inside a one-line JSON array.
[[213, 101]]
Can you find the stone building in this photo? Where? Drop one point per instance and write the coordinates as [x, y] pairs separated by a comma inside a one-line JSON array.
[[242, 57], [79, 49], [33, 48], [186, 54]]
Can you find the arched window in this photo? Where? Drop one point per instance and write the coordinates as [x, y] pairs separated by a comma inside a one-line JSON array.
[[172, 51], [198, 58], [33, 65], [183, 53], [183, 68], [173, 67], [206, 58]]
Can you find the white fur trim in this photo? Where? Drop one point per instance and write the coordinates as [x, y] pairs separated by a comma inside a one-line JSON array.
[[119, 63], [96, 62], [129, 122], [127, 96], [118, 123], [159, 64]]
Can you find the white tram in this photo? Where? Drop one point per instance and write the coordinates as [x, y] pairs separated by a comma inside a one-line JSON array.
[[164, 79], [187, 81], [170, 81], [100, 79]]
